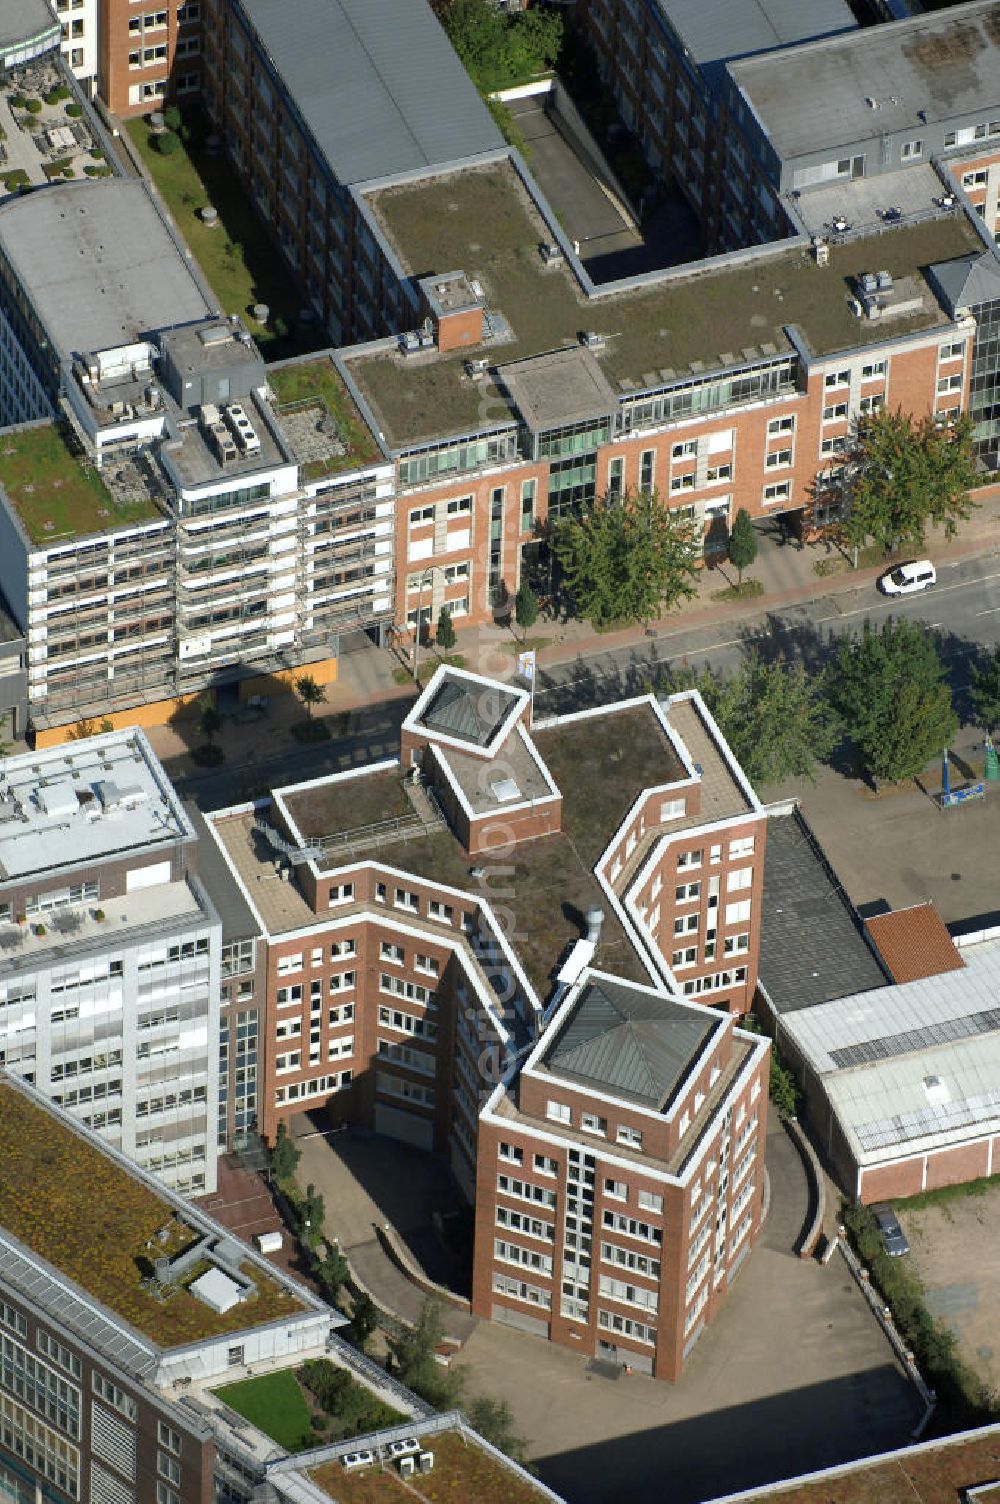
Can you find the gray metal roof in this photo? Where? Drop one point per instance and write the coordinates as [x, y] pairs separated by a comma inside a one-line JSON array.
[[22, 20], [99, 264], [812, 943], [967, 282], [716, 29], [377, 83], [622, 1040], [238, 922], [930, 69], [469, 710]]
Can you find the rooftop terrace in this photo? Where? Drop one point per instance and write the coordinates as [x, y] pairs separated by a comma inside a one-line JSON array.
[[653, 333], [72, 1204], [55, 493], [321, 419]]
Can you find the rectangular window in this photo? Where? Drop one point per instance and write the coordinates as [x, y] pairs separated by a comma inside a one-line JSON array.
[[591, 1123], [289, 964], [835, 412], [617, 1189], [779, 490], [737, 881], [684, 451], [872, 369], [776, 426], [689, 858], [528, 489], [558, 1112], [910, 151], [512, 1153], [647, 469], [738, 913], [778, 458], [630, 1136], [545, 1165], [836, 378]]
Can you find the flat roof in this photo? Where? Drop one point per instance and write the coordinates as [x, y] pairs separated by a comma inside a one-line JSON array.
[[99, 263], [78, 1208], [715, 29], [23, 20], [932, 1472], [931, 68], [237, 918], [628, 1041], [914, 942], [463, 1470], [101, 798], [320, 418], [812, 945], [56, 494], [671, 331], [377, 83], [563, 386]]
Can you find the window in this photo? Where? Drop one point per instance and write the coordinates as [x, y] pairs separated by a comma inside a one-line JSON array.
[[558, 1112], [591, 1123], [778, 458], [776, 426], [442, 912], [953, 351], [168, 1438], [388, 952], [630, 1136], [872, 404], [680, 483], [736, 945], [687, 892], [420, 515], [650, 1202], [341, 893], [681, 958], [288, 997], [616, 477], [837, 378], [949, 383], [545, 1164], [689, 858], [684, 451], [617, 1189], [168, 1467], [779, 490], [403, 899], [742, 846], [738, 913], [836, 411], [647, 469], [910, 151], [289, 964], [738, 880], [426, 964], [512, 1153], [112, 1395], [716, 473], [872, 369]]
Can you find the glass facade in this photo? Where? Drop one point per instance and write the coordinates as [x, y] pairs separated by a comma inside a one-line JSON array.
[[984, 386]]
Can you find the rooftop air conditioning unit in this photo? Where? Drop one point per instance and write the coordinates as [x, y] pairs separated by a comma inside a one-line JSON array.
[[591, 340], [883, 281], [407, 1467], [475, 368], [869, 282], [551, 253]]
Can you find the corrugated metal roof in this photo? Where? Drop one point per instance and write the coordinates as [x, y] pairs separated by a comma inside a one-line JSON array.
[[894, 1012], [376, 81], [812, 947], [623, 1040], [716, 29]]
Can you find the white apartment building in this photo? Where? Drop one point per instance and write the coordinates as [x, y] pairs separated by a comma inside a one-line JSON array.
[[110, 952]]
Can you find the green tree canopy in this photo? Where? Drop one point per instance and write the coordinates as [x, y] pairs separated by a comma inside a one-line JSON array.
[[626, 559], [494, 1420], [904, 473], [774, 716], [888, 685], [525, 607], [209, 719], [445, 637], [309, 692], [984, 691], [414, 1350], [742, 542], [364, 1319], [285, 1155], [499, 48]]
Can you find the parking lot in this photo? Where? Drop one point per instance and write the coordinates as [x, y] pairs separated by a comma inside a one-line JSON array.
[[794, 1374], [953, 1246]]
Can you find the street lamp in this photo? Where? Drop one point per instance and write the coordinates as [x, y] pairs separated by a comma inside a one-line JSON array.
[[420, 613]]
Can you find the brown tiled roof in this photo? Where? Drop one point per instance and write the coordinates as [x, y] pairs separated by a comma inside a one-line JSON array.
[[914, 943]]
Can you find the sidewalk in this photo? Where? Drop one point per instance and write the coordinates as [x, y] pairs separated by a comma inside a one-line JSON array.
[[787, 573]]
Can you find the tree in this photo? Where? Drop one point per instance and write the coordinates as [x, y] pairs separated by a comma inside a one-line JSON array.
[[333, 1272], [209, 719], [742, 543], [774, 716], [285, 1155], [984, 691], [172, 117], [364, 1319], [904, 473], [415, 1352], [445, 630], [167, 143], [626, 559], [500, 49], [525, 607], [313, 1214], [889, 687], [310, 693], [493, 1419]]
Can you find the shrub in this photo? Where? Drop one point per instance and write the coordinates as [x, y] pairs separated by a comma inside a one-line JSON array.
[[33, 106], [57, 95], [172, 117], [208, 755], [18, 102], [97, 152], [73, 110], [16, 179], [308, 732], [167, 143]]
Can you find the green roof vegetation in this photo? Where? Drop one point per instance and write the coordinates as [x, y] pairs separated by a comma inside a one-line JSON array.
[[240, 262], [73, 1205], [349, 803], [702, 314], [309, 1406], [311, 381], [54, 492], [462, 1471]]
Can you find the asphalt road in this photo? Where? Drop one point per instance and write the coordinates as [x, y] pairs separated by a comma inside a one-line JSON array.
[[963, 610]]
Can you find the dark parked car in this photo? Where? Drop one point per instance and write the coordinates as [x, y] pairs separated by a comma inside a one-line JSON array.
[[893, 1237]]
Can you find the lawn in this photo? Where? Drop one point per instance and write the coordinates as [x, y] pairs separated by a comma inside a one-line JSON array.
[[317, 381], [275, 1404], [54, 493], [74, 1206], [237, 256]]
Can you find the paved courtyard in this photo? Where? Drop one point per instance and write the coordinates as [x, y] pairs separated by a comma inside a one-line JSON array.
[[954, 1250], [794, 1374]]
